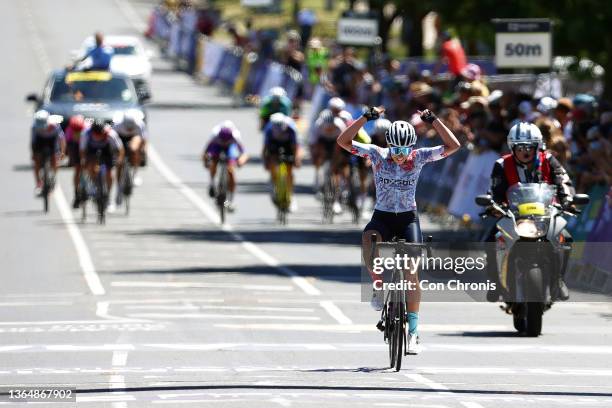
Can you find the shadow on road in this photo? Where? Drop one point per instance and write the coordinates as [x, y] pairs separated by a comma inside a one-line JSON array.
[[483, 334], [314, 236], [23, 167], [342, 273]]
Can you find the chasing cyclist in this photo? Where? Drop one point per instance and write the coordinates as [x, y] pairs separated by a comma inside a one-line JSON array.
[[396, 171], [280, 135], [130, 128], [47, 137], [225, 139], [100, 137], [76, 126], [276, 101]]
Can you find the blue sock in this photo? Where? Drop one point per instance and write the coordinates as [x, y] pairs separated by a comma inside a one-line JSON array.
[[413, 321]]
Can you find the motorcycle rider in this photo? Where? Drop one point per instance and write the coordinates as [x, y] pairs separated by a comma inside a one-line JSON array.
[[528, 163]]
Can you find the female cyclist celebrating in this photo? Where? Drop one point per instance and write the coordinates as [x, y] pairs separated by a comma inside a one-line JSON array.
[[396, 172]]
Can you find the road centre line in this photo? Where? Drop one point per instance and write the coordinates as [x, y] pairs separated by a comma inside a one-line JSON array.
[[335, 312], [91, 277]]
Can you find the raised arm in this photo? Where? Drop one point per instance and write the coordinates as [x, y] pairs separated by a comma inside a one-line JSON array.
[[451, 144], [346, 137]]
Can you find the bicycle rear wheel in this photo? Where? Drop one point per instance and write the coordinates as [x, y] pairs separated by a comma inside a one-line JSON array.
[[283, 195], [222, 186], [101, 195], [329, 194], [46, 189], [354, 189]]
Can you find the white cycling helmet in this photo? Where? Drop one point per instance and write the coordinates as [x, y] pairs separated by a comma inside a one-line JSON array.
[[41, 119], [401, 134], [381, 125], [524, 133], [278, 119], [130, 120], [277, 91], [336, 103]]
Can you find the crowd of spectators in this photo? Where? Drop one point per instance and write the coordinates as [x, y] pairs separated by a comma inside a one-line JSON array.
[[577, 129]]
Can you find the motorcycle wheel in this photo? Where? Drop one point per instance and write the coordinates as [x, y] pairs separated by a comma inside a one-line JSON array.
[[535, 311]]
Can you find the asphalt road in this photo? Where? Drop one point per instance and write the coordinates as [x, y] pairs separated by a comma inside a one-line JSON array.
[[165, 307]]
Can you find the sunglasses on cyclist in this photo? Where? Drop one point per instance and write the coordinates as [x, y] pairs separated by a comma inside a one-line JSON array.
[[399, 150], [525, 148]]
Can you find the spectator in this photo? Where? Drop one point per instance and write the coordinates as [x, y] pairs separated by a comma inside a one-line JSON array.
[[317, 58], [293, 57], [306, 19], [452, 54], [344, 73]]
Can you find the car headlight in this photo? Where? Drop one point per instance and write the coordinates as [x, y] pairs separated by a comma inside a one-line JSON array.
[[531, 228]]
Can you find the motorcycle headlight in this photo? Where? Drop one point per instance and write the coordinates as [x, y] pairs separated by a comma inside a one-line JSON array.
[[531, 228]]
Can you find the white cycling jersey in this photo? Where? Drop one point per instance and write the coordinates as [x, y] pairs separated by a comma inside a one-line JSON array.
[[395, 184], [123, 131]]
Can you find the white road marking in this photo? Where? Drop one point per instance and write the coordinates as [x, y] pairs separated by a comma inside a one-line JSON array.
[[93, 347], [343, 347], [461, 372], [219, 316], [105, 398], [335, 312], [437, 328], [247, 308], [34, 304], [166, 284], [102, 311], [119, 358], [55, 322], [470, 404], [87, 266], [429, 383], [283, 402], [165, 300], [213, 217]]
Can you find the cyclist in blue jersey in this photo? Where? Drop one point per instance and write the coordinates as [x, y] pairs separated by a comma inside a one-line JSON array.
[[396, 171]]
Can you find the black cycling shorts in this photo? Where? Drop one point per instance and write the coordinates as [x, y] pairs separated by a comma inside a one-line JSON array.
[[274, 148], [41, 144], [107, 157], [389, 225]]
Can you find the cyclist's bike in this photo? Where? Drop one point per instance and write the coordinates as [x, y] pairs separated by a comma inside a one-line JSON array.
[[282, 192], [48, 177], [393, 322], [353, 189], [329, 191], [126, 182], [222, 186], [96, 190]]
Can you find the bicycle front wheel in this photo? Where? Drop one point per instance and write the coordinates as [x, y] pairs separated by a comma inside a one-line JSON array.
[[397, 321]]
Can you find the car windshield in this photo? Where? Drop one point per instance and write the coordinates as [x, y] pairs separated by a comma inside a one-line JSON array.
[[91, 87], [521, 195], [124, 49]]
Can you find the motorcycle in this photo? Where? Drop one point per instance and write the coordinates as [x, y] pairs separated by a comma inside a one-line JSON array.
[[530, 248]]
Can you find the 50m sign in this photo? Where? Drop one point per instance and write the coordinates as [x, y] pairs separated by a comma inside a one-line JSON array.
[[522, 50]]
